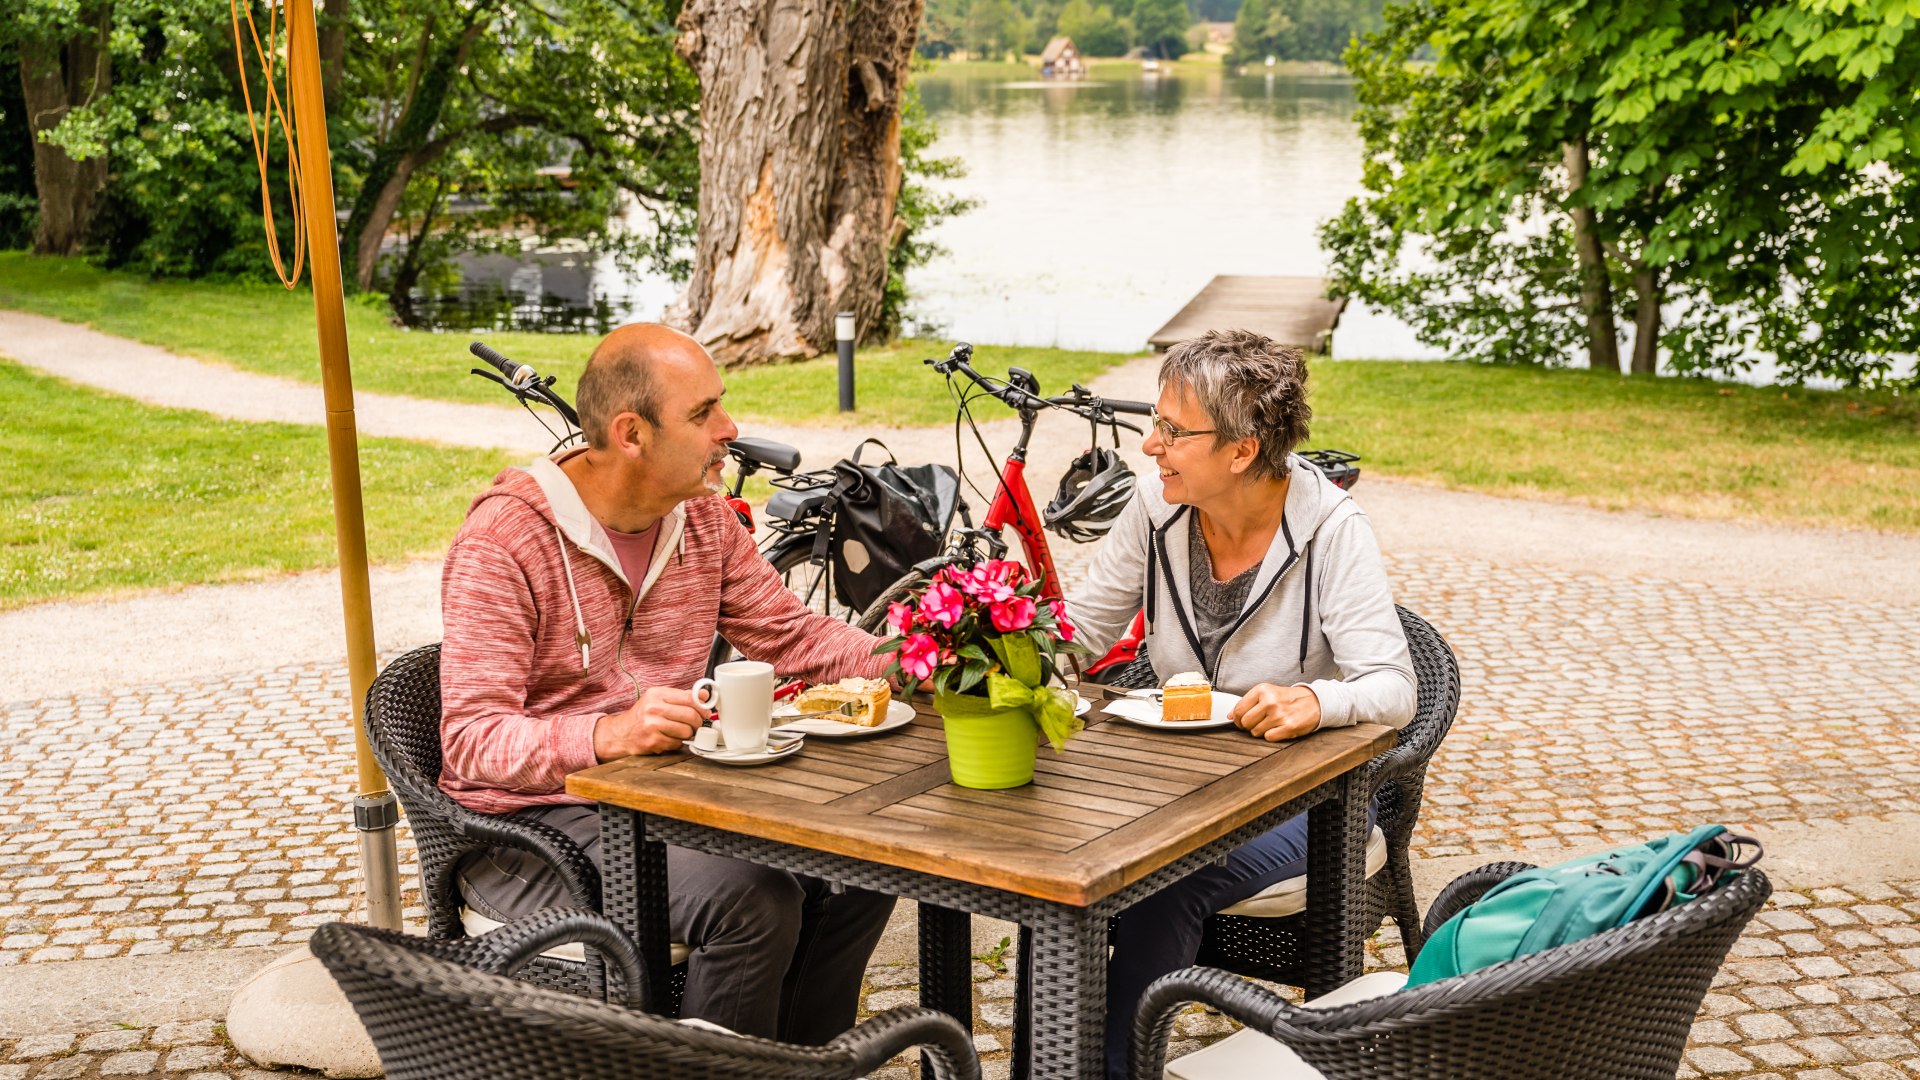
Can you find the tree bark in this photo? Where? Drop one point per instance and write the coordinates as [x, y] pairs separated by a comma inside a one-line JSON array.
[[799, 169], [56, 77], [1646, 323], [1596, 289]]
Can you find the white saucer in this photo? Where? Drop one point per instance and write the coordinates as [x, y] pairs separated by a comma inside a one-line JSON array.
[[774, 752], [899, 714], [1142, 707]]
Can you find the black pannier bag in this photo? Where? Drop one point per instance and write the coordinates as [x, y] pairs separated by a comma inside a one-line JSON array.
[[886, 518]]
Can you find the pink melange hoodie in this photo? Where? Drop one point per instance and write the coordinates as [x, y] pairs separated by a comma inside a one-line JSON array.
[[545, 635]]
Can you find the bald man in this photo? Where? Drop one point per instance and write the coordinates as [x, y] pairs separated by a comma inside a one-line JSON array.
[[580, 598]]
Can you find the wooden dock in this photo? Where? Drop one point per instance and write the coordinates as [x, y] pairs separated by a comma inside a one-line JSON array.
[[1290, 310]]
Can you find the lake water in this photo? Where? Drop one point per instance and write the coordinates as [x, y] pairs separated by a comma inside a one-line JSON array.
[[1104, 206]]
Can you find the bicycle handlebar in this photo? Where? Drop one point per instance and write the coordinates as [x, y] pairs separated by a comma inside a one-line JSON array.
[[1080, 402], [519, 376]]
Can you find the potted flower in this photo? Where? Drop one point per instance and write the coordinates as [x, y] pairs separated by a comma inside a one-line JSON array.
[[990, 646]]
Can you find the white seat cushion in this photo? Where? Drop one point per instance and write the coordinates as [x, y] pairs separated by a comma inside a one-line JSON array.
[[478, 924], [1289, 897], [1249, 1055]]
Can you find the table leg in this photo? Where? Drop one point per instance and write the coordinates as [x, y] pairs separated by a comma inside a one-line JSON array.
[[1336, 880], [946, 965], [633, 894], [1069, 1000], [1023, 1007]]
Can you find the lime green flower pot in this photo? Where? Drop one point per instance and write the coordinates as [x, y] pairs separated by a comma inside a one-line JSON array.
[[987, 749]]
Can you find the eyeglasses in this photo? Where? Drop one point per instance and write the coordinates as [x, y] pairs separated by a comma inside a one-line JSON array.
[[1168, 433]]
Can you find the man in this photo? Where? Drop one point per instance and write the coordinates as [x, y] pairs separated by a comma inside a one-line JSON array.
[[580, 599]]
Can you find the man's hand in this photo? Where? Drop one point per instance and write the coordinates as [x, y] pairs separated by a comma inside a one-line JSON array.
[[1275, 712], [659, 722]]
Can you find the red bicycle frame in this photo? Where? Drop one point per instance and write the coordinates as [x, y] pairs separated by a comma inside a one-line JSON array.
[[1013, 505]]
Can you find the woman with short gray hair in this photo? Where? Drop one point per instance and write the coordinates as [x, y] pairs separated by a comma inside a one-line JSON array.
[[1259, 576]]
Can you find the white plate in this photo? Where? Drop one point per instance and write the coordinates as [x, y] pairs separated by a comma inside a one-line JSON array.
[[1081, 703], [899, 713], [1143, 708], [774, 752]]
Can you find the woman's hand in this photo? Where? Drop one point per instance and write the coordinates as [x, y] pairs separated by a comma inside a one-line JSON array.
[[1275, 712]]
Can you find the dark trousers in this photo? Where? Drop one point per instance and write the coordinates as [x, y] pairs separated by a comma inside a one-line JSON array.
[[1162, 933], [775, 954]]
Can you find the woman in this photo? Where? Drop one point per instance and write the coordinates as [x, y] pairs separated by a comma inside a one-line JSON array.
[[1260, 574]]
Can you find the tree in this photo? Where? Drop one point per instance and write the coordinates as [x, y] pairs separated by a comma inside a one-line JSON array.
[[800, 169], [1725, 177], [532, 115], [1094, 30], [1160, 27], [66, 64], [1299, 29]]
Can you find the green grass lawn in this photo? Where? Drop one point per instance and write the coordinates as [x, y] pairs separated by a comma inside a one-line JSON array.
[[1679, 446], [100, 494], [268, 329]]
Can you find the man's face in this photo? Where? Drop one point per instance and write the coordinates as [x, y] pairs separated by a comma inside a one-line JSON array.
[[688, 448]]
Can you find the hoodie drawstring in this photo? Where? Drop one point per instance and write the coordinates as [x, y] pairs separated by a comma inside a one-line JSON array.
[[1306, 609], [580, 635]]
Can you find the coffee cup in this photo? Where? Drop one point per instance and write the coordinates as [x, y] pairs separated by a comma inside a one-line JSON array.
[[742, 692]]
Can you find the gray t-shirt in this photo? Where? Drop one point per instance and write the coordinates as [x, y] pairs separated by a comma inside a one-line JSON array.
[[1216, 604]]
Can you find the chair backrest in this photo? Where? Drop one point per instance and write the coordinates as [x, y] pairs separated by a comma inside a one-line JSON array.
[[1619, 1004], [1437, 686], [433, 1019], [403, 721]]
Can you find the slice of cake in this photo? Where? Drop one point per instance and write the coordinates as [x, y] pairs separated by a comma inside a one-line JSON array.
[[1186, 696], [869, 697]]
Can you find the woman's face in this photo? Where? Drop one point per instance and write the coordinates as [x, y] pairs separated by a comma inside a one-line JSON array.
[[1193, 468]]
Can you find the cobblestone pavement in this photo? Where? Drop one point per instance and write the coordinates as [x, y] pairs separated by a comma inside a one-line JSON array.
[[209, 815]]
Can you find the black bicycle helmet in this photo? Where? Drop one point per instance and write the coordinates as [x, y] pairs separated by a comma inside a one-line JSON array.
[[1095, 489]]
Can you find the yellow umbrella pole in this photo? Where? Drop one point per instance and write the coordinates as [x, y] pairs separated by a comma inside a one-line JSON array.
[[374, 812]]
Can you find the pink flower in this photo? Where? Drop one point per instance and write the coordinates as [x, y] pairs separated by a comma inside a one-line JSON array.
[[983, 585], [900, 617], [1005, 570], [918, 655], [1063, 628], [1013, 614], [941, 605]]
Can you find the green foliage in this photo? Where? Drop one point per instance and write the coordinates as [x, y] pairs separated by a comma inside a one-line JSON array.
[[1751, 170], [527, 124], [1095, 31], [18, 206], [921, 206], [85, 508], [1299, 29], [1160, 27], [487, 103]]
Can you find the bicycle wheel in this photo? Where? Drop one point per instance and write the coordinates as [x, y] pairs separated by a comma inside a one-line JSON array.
[[874, 619]]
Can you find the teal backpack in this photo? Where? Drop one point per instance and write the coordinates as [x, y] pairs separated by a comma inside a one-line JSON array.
[[1552, 905]]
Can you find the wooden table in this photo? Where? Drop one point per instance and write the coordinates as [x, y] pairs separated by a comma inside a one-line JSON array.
[[1122, 813]]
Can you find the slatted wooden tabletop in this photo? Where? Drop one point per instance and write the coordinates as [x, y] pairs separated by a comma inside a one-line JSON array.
[[1120, 802]]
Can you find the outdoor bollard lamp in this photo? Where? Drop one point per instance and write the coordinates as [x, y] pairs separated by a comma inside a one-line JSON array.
[[843, 337]]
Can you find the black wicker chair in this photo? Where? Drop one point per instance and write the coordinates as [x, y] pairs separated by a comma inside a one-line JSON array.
[[403, 725], [1271, 947], [432, 1016], [1618, 1005]]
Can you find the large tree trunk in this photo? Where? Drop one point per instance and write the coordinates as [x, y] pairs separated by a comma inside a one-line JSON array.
[[1646, 322], [334, 19], [799, 168], [1596, 290], [57, 76]]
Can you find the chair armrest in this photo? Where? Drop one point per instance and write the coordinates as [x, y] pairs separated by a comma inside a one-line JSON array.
[[545, 842], [949, 1046], [1253, 1005], [1467, 888], [513, 946]]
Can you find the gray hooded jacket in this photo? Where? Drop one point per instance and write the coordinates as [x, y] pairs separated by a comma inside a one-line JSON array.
[[1320, 613]]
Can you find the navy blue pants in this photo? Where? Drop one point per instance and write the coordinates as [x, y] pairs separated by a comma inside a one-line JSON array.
[[1162, 933]]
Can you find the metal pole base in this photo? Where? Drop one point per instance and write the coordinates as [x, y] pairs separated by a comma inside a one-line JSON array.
[[375, 816]]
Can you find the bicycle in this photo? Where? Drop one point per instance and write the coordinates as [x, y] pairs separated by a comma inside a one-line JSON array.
[[1012, 503]]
